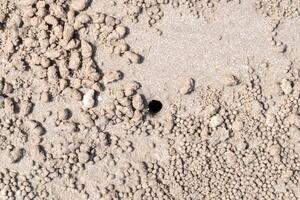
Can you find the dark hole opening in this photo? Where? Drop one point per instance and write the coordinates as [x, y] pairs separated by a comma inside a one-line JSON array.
[[47, 7], [154, 106]]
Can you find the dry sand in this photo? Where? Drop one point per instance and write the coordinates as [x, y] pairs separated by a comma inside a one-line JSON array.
[[149, 99]]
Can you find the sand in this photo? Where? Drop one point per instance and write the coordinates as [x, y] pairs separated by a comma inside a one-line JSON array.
[[149, 99]]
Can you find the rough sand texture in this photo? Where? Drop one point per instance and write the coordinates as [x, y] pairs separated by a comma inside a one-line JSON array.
[[77, 84]]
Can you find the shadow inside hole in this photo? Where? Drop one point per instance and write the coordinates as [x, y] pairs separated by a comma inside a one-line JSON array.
[[154, 106]]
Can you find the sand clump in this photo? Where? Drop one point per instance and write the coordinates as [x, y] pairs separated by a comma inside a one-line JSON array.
[[74, 127], [154, 10], [212, 146]]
